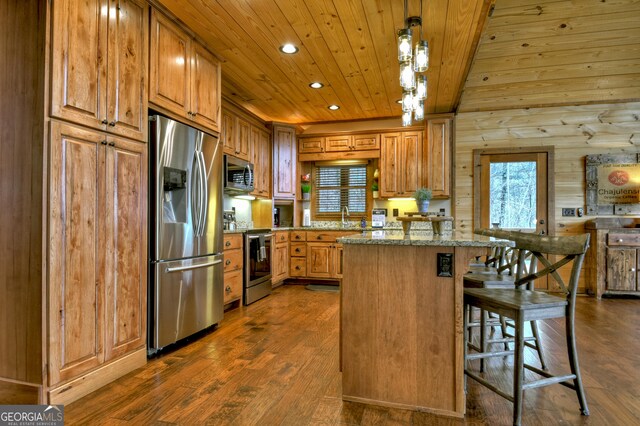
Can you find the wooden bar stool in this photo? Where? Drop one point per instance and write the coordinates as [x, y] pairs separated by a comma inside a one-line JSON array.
[[523, 305]]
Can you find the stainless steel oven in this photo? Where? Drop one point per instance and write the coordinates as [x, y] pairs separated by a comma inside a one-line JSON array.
[[257, 264]]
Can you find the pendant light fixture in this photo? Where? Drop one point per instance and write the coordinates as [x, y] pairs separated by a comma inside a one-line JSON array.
[[413, 61]]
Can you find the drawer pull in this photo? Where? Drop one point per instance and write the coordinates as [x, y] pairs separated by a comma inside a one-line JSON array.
[[297, 250], [227, 244], [228, 262], [297, 237], [318, 237], [632, 270], [619, 240], [297, 268], [228, 289]]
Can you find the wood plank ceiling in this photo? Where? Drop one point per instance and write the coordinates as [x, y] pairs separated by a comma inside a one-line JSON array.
[[348, 45], [539, 53]]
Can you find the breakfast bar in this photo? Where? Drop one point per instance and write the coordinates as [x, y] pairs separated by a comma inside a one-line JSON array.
[[402, 318]]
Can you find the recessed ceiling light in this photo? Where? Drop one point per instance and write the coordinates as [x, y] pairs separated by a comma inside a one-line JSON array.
[[333, 107], [289, 48], [316, 85]]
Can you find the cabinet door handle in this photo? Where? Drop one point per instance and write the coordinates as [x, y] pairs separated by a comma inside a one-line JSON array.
[[105, 121], [228, 262], [297, 250], [227, 289], [632, 270], [297, 268], [227, 244], [112, 124], [103, 142], [619, 240], [112, 143]]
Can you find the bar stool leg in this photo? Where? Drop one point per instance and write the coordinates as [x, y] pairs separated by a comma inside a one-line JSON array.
[[538, 343], [518, 371], [503, 329], [483, 336], [573, 362], [467, 321]]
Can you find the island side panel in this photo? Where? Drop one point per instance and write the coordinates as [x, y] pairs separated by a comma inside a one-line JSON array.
[[400, 329], [359, 309]]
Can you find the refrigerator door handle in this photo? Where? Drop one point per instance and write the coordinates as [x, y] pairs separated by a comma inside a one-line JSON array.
[[204, 196], [187, 268], [195, 194]]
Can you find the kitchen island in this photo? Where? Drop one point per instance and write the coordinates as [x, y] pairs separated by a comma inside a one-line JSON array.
[[401, 318]]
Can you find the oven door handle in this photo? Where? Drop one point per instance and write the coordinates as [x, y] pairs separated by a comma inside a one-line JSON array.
[[254, 237]]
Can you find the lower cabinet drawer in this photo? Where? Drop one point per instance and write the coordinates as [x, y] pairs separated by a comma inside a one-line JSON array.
[[233, 260], [298, 249], [298, 267], [232, 286], [623, 239]]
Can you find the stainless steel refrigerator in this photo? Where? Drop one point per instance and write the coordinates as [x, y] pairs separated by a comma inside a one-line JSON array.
[[185, 241]]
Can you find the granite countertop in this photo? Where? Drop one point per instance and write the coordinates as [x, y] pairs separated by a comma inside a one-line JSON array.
[[448, 239]]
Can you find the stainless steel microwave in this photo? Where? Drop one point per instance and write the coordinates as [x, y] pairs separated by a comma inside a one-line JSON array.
[[238, 175]]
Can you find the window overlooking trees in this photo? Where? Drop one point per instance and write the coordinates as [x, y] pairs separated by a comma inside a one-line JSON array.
[[340, 186], [513, 194]]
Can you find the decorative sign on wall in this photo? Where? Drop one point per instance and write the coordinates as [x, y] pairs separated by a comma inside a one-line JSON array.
[[613, 184]]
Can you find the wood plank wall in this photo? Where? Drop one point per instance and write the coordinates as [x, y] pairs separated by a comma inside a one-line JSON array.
[[573, 131], [22, 47], [536, 53]]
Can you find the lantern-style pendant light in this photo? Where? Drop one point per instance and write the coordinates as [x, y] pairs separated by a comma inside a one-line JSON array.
[[421, 86], [407, 76], [418, 109], [406, 118], [421, 63], [407, 101], [404, 45]]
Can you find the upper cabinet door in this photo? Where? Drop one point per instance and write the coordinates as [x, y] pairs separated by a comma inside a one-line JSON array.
[[170, 65], [284, 162], [411, 161], [243, 133], [338, 143], [205, 88], [438, 157], [79, 62], [390, 166], [128, 63]]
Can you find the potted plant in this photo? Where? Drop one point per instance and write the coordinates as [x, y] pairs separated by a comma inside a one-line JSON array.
[[374, 188], [306, 190], [422, 196], [306, 186]]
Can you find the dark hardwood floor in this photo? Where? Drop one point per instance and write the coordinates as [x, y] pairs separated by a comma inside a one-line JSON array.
[[276, 362]]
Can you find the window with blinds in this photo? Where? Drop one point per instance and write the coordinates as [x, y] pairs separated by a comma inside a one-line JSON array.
[[340, 186]]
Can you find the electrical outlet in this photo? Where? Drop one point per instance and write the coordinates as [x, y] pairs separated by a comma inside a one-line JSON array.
[[395, 212], [580, 212], [568, 212]]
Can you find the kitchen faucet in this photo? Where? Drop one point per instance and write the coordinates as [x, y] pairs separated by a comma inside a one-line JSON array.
[[345, 223]]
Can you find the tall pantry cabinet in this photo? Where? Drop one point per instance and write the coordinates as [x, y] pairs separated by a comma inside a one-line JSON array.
[[80, 302]]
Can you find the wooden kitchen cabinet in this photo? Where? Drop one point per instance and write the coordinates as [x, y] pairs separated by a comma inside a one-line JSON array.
[[233, 268], [400, 163], [436, 168], [613, 259], [284, 162], [236, 136], [280, 256], [97, 257], [184, 77], [99, 65], [260, 156], [340, 143]]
